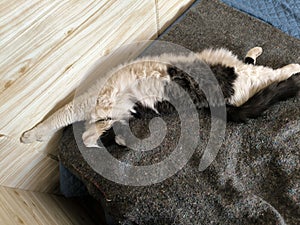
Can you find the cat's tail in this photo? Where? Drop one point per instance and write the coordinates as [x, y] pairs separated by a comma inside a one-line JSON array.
[[262, 100]]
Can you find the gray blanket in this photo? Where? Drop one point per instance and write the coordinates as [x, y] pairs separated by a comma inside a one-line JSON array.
[[255, 178]]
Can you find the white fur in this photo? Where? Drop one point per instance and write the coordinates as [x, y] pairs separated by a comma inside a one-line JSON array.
[[251, 78], [219, 56], [144, 80]]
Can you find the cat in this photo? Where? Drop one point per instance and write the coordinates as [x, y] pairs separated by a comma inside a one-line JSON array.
[[248, 90]]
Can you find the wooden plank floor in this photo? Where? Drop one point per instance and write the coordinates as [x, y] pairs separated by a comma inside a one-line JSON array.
[[45, 49], [31, 208], [167, 12]]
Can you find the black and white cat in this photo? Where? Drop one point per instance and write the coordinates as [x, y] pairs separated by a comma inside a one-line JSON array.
[[248, 90]]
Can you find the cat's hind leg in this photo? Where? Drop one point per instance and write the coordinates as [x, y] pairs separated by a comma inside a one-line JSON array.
[[288, 70], [261, 101], [252, 54]]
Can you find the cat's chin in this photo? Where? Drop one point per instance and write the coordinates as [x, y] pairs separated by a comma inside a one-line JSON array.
[[90, 138], [120, 140]]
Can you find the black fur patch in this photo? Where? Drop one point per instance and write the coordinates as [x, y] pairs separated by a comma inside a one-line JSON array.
[[262, 100], [188, 84], [225, 76], [249, 60]]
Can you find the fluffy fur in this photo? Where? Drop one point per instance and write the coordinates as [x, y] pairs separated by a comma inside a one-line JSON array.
[[146, 80], [262, 100]]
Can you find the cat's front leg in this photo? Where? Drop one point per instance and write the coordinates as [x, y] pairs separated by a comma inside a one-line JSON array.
[[252, 54], [94, 131]]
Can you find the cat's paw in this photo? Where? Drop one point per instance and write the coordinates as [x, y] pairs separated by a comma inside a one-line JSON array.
[[256, 51], [33, 135], [295, 67], [90, 138]]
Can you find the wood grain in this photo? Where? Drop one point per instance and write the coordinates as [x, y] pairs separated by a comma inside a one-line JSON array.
[[26, 207], [46, 48], [168, 11]]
